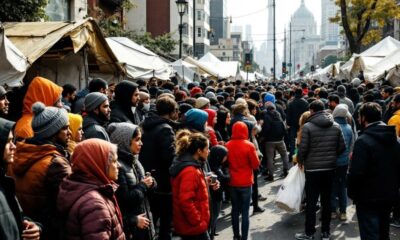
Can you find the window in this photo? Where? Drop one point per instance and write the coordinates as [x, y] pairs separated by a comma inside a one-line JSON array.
[[58, 10], [199, 15], [199, 32], [223, 54]]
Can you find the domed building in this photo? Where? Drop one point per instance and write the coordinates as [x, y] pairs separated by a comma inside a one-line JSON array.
[[305, 41]]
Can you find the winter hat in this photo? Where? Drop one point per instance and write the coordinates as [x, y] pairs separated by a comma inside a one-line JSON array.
[[210, 95], [194, 91], [75, 122], [201, 102], [341, 90], [184, 107], [211, 115], [241, 101], [356, 82], [94, 100], [341, 110], [121, 134], [217, 154], [47, 121], [269, 97], [2, 91], [196, 119]]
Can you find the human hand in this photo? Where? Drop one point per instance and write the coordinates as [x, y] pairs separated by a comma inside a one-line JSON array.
[[215, 186], [31, 231], [143, 221], [148, 181], [301, 166]]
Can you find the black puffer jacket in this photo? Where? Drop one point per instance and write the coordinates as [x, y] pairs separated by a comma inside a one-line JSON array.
[[132, 196], [321, 143], [217, 154], [294, 111], [374, 178], [158, 149]]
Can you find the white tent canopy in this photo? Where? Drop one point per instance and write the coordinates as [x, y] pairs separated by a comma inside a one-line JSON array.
[[370, 57], [326, 73], [138, 61], [13, 64], [224, 69], [186, 71]]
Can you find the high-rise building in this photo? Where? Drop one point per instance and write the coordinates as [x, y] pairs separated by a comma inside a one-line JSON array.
[[218, 20], [330, 32]]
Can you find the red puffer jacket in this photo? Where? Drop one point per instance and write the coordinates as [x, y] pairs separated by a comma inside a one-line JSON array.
[[242, 157], [190, 197], [89, 210]]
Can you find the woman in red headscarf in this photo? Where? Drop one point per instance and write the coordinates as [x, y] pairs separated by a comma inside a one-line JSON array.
[[86, 199], [212, 120]]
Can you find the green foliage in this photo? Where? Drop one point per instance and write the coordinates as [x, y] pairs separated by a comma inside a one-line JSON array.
[[22, 10], [329, 60]]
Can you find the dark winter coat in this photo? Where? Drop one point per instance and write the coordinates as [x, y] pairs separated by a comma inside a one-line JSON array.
[[88, 210], [217, 154], [132, 196], [240, 118], [294, 111], [273, 128], [190, 197], [94, 127], [158, 149], [321, 143], [121, 107], [119, 114], [374, 178]]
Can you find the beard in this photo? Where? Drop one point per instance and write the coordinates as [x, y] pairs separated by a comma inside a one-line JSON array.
[[104, 117]]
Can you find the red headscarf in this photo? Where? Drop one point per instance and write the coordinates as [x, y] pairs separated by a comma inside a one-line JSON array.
[[211, 115], [92, 158]]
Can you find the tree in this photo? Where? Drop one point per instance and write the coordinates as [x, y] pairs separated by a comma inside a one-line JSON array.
[[22, 10], [363, 20], [329, 60]]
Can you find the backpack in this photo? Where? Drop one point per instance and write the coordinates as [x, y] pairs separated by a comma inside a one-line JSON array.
[[273, 128]]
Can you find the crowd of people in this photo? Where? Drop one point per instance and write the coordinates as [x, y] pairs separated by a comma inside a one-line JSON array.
[[149, 159]]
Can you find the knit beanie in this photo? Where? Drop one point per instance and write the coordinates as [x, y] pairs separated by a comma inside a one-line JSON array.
[[2, 91], [47, 121], [196, 118], [269, 97], [194, 91], [201, 102], [184, 107], [75, 122], [341, 90], [210, 95], [121, 134], [356, 82], [94, 100], [341, 110]]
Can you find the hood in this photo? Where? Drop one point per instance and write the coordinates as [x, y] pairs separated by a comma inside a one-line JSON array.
[[123, 94], [153, 120], [382, 133], [41, 90], [321, 119], [217, 154], [181, 162], [196, 119], [121, 134], [211, 115], [73, 188], [28, 154], [240, 131], [5, 129]]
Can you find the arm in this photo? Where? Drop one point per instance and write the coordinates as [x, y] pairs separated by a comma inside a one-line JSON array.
[[303, 148], [341, 147], [358, 165], [59, 169], [253, 157]]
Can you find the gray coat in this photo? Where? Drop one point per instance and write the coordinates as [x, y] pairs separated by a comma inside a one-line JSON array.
[[321, 143]]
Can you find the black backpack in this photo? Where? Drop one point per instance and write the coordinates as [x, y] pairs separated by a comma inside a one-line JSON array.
[[273, 128]]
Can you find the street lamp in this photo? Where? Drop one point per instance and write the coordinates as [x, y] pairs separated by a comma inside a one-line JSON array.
[[182, 5]]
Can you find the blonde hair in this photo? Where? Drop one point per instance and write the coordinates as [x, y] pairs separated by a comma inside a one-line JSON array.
[[303, 119], [188, 142]]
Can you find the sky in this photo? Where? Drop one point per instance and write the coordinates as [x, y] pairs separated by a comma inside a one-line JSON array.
[[255, 13]]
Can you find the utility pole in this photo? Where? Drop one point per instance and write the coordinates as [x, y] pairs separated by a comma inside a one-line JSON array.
[[284, 54], [290, 50], [274, 75], [194, 28]]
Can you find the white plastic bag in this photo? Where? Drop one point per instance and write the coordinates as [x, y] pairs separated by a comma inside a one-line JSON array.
[[291, 192]]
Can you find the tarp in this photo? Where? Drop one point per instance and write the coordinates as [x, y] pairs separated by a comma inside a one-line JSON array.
[[332, 70], [138, 61], [378, 70], [13, 64], [36, 39], [250, 77], [224, 69], [370, 57], [186, 71], [203, 68]]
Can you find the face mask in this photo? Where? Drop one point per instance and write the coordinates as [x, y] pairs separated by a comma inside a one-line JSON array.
[[133, 109], [146, 106]]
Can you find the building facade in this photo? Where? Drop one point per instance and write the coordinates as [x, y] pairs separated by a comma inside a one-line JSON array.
[[219, 21], [330, 32], [237, 46], [203, 29], [223, 50], [66, 10]]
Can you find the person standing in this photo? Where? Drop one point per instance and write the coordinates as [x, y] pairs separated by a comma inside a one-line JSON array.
[[395, 119], [126, 99], [321, 144], [4, 103], [98, 112], [373, 180], [242, 160]]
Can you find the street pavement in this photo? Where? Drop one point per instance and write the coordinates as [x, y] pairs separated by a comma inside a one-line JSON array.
[[276, 224]]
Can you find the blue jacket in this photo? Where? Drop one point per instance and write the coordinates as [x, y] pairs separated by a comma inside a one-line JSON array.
[[343, 159]]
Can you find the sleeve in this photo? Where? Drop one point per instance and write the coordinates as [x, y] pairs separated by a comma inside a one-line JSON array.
[[95, 220], [253, 157], [213, 137], [134, 195], [341, 147], [357, 170], [304, 145], [395, 121], [187, 191], [289, 115], [167, 147], [57, 171]]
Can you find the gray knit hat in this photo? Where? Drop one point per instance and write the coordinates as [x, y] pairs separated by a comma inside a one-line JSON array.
[[121, 134], [93, 100], [341, 110], [210, 95], [341, 89], [47, 121], [2, 91]]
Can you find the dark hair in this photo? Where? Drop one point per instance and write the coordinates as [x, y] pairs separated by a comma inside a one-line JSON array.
[[278, 95], [251, 104], [368, 97], [323, 93], [187, 142], [136, 132], [97, 84], [141, 82], [298, 92], [68, 89], [389, 90], [397, 98], [371, 111], [311, 94], [370, 86], [169, 85], [180, 95], [334, 98], [317, 106], [166, 105]]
